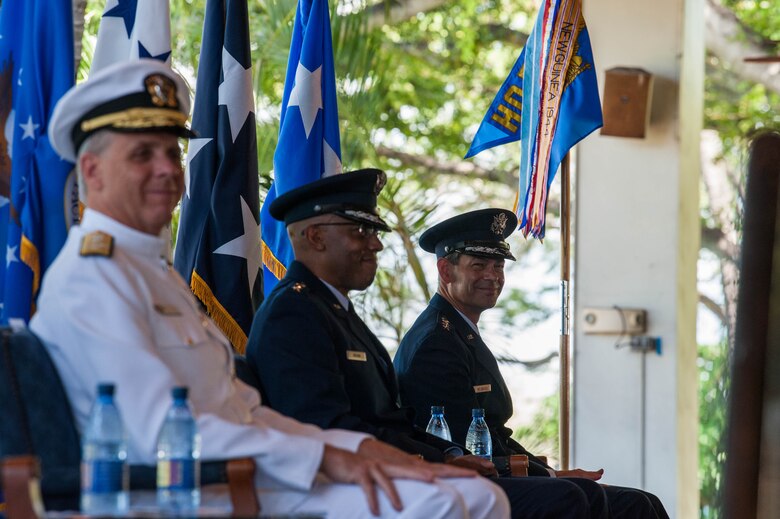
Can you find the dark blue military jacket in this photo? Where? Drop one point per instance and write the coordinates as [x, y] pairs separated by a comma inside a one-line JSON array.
[[442, 361], [318, 362]]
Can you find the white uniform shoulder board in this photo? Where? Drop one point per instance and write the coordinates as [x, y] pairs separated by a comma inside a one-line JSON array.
[[97, 243]]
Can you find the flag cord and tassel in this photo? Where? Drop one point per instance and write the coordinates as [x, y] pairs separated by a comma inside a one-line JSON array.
[[563, 410]]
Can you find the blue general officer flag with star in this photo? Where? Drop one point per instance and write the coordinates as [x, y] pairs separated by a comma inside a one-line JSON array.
[[131, 29], [309, 146], [36, 56], [218, 244]]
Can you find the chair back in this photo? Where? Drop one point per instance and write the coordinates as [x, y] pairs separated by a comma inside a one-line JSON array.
[[37, 418]]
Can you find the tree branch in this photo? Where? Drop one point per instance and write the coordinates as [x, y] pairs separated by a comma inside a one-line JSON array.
[[731, 41], [714, 307], [396, 11], [460, 167]]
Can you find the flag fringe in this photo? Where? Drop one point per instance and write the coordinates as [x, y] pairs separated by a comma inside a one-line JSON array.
[[219, 314], [29, 256], [274, 266]]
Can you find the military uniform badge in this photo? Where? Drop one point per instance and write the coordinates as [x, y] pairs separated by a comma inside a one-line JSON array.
[[97, 243], [499, 224], [298, 287], [470, 336], [445, 323], [162, 90]]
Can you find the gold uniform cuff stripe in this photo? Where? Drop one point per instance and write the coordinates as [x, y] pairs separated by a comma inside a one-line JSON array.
[[136, 118]]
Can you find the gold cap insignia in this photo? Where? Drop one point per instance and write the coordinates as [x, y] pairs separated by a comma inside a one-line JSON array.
[[97, 243], [162, 90], [445, 323], [298, 287], [499, 224]]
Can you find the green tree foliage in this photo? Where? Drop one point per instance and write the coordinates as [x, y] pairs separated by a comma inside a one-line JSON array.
[[540, 436], [713, 382]]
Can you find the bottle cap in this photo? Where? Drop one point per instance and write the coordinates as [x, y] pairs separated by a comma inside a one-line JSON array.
[[478, 413], [179, 393], [437, 409], [106, 389]]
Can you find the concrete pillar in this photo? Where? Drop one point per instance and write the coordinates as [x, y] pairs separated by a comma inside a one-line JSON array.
[[637, 241]]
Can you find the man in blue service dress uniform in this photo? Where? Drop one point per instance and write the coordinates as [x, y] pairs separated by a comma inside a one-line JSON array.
[[112, 309], [442, 359], [318, 362]]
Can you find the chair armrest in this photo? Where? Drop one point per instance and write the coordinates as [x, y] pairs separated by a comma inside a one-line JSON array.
[[518, 463], [241, 481], [239, 474], [20, 477]]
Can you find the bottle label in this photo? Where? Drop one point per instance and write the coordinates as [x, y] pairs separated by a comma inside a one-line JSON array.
[[102, 476], [178, 474]]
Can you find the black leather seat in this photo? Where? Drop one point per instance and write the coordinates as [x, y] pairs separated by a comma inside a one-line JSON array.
[[37, 420]]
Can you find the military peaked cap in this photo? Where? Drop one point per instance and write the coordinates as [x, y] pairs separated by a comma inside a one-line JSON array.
[[350, 195], [477, 233], [143, 95]]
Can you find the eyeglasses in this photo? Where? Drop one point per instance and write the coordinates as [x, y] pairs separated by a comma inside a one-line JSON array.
[[364, 230]]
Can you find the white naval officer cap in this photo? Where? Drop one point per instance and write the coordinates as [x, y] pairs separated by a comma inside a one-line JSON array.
[[143, 95]]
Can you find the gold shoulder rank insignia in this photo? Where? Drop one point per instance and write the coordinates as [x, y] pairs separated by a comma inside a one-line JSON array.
[[445, 323], [298, 287], [97, 243], [470, 336]]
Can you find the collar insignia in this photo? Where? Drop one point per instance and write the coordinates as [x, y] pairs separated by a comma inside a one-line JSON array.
[[97, 243], [162, 90], [499, 224], [298, 287], [470, 336], [445, 323]]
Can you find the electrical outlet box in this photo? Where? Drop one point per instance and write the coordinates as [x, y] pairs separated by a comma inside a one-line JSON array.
[[614, 321]]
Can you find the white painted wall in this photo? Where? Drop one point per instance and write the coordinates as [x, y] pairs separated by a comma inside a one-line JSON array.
[[637, 238]]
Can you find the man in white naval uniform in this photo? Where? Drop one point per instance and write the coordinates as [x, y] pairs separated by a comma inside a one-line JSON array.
[[112, 309]]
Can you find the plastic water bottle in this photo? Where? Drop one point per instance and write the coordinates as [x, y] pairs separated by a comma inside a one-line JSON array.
[[437, 425], [478, 438], [178, 458], [105, 479]]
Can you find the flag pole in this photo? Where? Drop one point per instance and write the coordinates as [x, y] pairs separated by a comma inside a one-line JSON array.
[[563, 411]]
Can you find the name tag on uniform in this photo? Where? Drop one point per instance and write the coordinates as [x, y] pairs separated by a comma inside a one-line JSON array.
[[356, 355], [166, 309], [484, 388]]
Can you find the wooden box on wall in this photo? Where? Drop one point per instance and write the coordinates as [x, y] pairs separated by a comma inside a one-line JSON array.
[[626, 107]]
